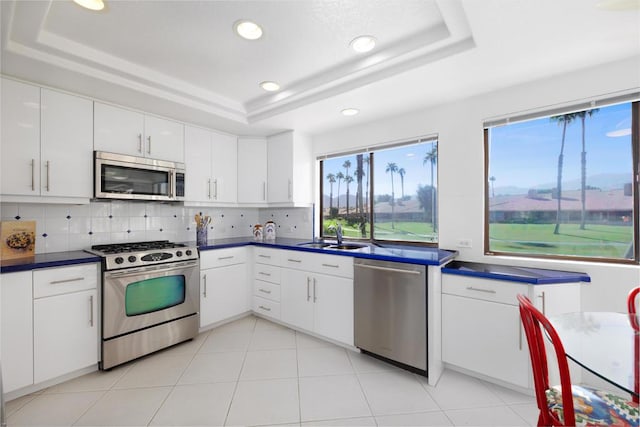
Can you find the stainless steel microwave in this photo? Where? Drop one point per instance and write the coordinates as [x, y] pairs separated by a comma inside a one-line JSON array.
[[118, 176]]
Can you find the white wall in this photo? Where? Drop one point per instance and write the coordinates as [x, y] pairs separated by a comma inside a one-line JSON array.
[[461, 163]]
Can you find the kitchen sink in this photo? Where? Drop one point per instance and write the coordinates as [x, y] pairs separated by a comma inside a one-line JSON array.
[[318, 245], [347, 246]]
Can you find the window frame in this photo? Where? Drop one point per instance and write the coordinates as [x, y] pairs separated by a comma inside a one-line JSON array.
[[634, 100], [371, 152]]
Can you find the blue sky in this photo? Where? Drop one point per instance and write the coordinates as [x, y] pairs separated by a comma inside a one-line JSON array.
[[410, 158], [526, 154]]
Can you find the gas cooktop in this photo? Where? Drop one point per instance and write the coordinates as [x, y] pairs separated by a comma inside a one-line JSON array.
[[117, 248], [136, 254]]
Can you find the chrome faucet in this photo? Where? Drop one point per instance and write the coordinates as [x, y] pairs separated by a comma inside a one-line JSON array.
[[338, 230]]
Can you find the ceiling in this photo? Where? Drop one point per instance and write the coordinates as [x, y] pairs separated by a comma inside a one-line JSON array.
[[182, 59]]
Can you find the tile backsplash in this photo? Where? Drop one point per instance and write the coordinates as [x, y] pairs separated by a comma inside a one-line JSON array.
[[76, 227]]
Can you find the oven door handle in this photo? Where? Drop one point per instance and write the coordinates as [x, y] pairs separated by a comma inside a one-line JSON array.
[[148, 270]]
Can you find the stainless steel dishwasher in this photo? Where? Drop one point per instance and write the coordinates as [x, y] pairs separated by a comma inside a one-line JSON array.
[[391, 311]]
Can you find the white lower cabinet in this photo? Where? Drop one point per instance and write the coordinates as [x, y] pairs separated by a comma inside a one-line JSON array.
[[315, 301], [17, 330], [49, 324], [266, 282], [223, 285], [481, 327]]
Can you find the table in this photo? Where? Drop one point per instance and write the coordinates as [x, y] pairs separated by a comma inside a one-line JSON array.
[[602, 343]]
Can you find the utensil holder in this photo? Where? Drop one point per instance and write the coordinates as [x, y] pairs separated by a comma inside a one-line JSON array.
[[201, 236]]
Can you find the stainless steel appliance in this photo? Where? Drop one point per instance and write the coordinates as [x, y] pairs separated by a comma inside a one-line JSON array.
[[391, 311], [118, 176], [150, 298]]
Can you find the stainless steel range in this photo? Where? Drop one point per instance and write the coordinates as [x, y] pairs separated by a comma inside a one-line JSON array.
[[150, 296]]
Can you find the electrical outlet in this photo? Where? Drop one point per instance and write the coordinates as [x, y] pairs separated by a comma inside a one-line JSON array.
[[464, 243]]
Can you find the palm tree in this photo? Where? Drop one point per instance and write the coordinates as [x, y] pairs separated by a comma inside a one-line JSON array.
[[432, 158], [332, 179], [493, 191], [583, 179], [348, 179], [359, 173], [563, 120], [366, 196], [402, 172], [339, 177], [391, 168]]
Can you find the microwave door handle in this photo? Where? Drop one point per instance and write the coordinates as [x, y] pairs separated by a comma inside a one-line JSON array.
[[172, 184]]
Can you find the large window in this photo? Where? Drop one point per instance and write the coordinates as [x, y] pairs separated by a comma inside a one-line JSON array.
[[564, 185], [382, 194]]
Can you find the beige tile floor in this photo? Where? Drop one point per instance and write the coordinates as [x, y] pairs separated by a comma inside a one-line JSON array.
[[254, 372]]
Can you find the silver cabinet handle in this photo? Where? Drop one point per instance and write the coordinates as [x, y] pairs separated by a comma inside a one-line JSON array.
[[294, 260], [225, 257], [308, 288], [139, 143], [264, 190], [265, 256], [331, 265], [393, 270], [314, 290], [204, 287], [91, 311], [264, 291], [264, 308], [215, 188], [290, 188], [48, 166], [544, 303], [33, 174], [209, 188], [487, 291], [57, 282], [149, 144], [262, 273]]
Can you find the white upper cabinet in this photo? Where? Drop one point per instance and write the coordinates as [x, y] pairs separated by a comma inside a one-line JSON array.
[[20, 144], [46, 142], [66, 168], [122, 131], [211, 160], [252, 170], [290, 169]]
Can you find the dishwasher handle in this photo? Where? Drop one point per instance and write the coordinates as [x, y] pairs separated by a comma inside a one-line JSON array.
[[389, 269]]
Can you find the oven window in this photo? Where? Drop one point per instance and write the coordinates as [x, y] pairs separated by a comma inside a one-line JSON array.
[[147, 296]]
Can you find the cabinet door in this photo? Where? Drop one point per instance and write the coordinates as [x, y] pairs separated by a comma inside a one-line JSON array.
[[333, 307], [17, 330], [118, 130], [223, 293], [556, 299], [65, 334], [485, 337], [252, 170], [20, 143], [280, 167], [197, 156], [164, 139], [66, 147], [224, 171], [296, 299]]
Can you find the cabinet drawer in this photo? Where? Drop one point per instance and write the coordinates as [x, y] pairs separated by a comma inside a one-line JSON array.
[[221, 257], [297, 260], [63, 280], [268, 273], [267, 256], [266, 307], [334, 265], [266, 290], [483, 289]]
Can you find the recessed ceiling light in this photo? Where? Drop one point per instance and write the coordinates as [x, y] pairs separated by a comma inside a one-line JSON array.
[[91, 4], [350, 111], [270, 86], [363, 44], [248, 30]]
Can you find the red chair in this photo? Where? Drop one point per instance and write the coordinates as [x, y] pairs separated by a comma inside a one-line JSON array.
[[580, 406], [633, 318]]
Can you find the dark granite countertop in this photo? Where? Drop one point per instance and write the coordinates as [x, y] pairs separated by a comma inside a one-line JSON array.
[[54, 259], [536, 276]]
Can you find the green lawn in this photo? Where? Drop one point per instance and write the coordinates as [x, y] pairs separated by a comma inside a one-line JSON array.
[[609, 241], [413, 231]]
